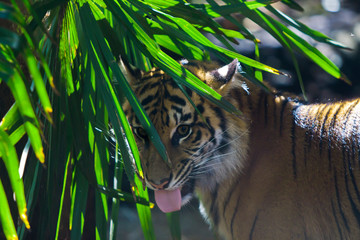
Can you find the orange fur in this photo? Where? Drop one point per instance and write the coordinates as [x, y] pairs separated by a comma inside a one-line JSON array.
[[291, 170]]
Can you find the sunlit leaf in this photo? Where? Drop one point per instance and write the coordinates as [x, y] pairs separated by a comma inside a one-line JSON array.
[[60, 60], [5, 216], [10, 158]]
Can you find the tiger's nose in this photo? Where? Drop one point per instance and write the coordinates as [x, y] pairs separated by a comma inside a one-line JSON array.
[[163, 183]]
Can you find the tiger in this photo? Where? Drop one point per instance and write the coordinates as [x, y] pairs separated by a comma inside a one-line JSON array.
[[283, 169]]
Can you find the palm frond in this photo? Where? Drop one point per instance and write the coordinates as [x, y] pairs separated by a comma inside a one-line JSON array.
[[59, 60]]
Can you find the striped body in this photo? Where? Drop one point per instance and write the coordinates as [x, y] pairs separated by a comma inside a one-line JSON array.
[[284, 170]]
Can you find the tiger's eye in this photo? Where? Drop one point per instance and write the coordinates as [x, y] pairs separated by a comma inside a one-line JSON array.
[[183, 130], [140, 132]]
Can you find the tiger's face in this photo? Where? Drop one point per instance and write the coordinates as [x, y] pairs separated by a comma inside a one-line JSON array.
[[202, 150]]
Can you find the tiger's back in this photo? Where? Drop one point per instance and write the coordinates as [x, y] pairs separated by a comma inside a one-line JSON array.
[[284, 170], [301, 180]]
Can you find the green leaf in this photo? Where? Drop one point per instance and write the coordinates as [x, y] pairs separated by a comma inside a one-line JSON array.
[[144, 212], [62, 197], [74, 45], [9, 38], [39, 83], [10, 158], [290, 40], [12, 123], [68, 44], [115, 206], [78, 204], [195, 34], [32, 178], [315, 55], [180, 46], [5, 216], [318, 36], [117, 115], [292, 4], [31, 124], [226, 32], [173, 219], [124, 196], [126, 91]]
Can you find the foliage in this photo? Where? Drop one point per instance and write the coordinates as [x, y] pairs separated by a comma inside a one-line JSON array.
[[60, 64]]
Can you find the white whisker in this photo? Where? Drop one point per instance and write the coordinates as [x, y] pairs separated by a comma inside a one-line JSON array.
[[210, 163], [204, 156]]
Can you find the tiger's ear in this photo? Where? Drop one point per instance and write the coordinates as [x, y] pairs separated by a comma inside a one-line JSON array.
[[219, 79], [131, 73]]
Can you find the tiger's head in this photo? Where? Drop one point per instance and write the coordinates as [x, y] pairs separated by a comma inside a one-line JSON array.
[[203, 150]]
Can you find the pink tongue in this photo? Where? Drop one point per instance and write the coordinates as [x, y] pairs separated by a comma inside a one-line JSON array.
[[168, 201]]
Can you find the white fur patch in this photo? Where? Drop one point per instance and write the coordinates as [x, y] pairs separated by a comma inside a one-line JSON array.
[[223, 71], [184, 61], [245, 87]]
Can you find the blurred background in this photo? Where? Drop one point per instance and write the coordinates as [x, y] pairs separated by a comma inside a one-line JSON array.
[[338, 19]]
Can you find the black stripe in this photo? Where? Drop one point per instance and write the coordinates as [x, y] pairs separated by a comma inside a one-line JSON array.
[[191, 151], [274, 111], [249, 102], [200, 108], [224, 144], [147, 100], [260, 103], [348, 169], [185, 117], [305, 149], [339, 201], [253, 226], [213, 208], [195, 149], [181, 175], [307, 137], [197, 137], [314, 122], [185, 161], [354, 142], [331, 127], [165, 117], [353, 181], [229, 195], [188, 91], [283, 105], [153, 112], [323, 129], [171, 82], [155, 75], [293, 143], [233, 216], [176, 118], [349, 111], [219, 114], [347, 115], [266, 109], [236, 94], [177, 109], [147, 87], [177, 100], [336, 219], [356, 139]]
